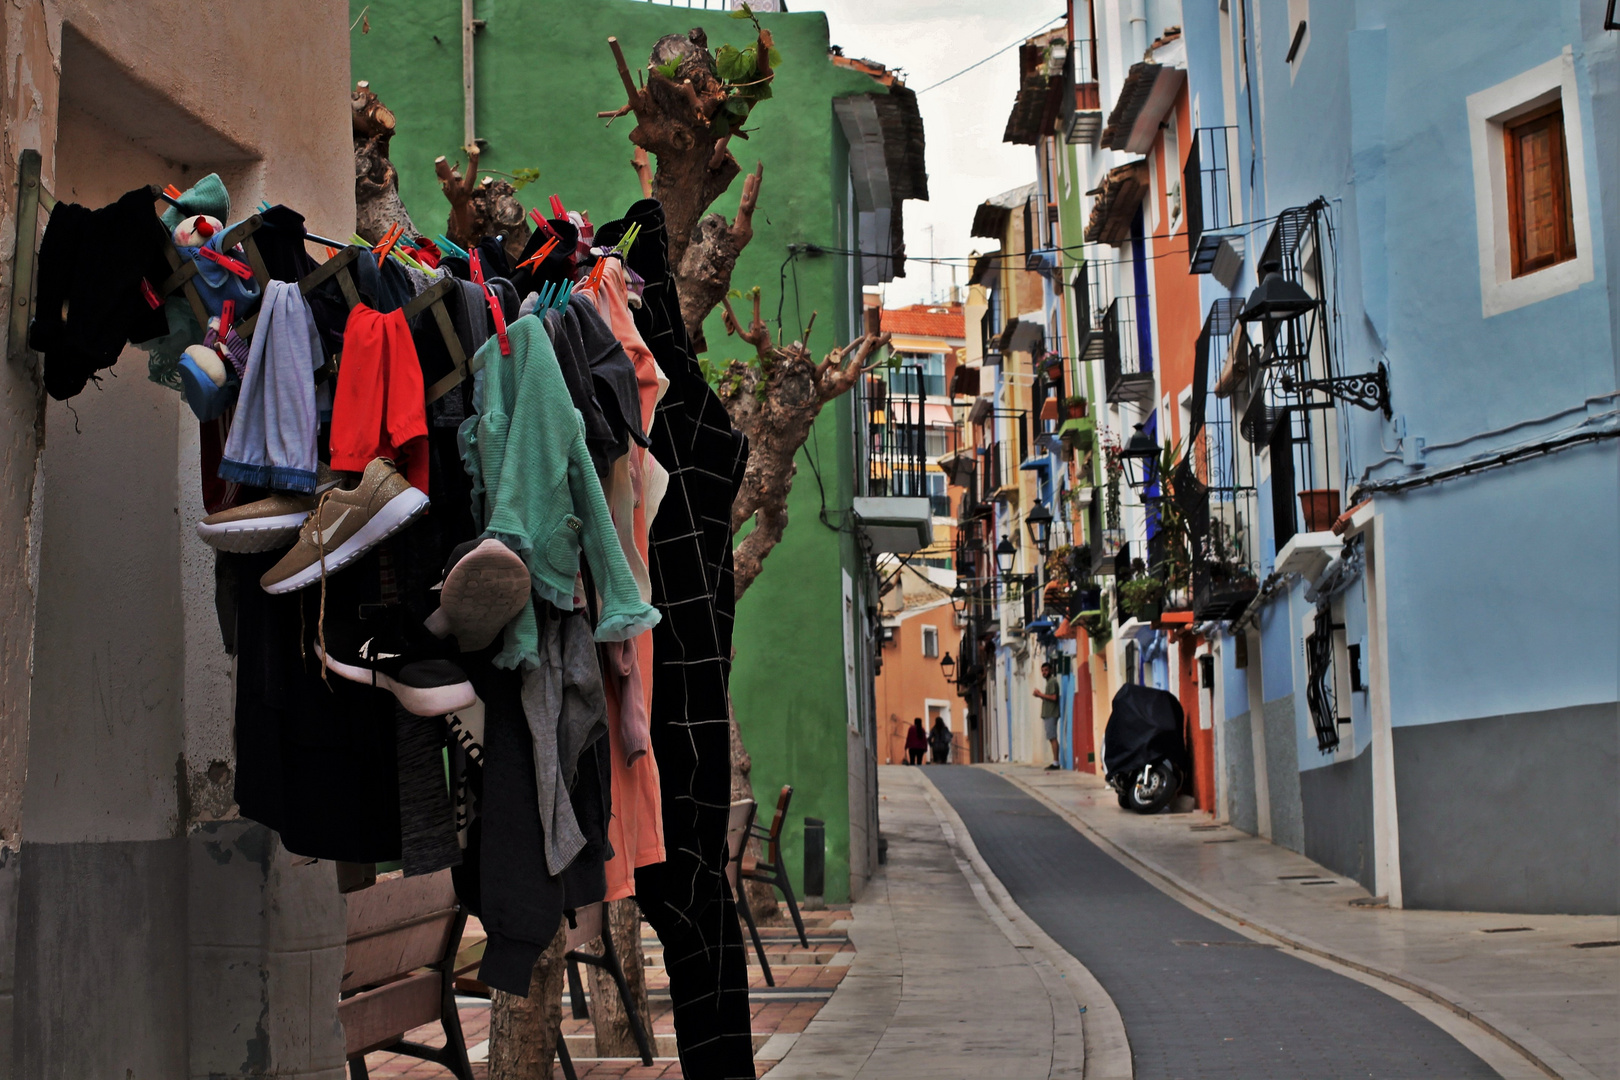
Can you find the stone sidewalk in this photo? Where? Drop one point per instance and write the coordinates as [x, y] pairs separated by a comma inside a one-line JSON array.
[[943, 984], [1547, 985]]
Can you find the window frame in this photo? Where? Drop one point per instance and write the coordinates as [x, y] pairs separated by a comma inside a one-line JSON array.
[[1514, 131], [1489, 110], [928, 632]]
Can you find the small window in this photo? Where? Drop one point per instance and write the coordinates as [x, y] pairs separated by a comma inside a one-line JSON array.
[[930, 642], [1540, 221]]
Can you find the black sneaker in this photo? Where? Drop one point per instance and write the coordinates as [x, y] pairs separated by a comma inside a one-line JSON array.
[[1053, 767], [425, 684]]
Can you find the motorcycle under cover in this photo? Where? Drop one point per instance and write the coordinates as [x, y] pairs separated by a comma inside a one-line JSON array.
[[1146, 725]]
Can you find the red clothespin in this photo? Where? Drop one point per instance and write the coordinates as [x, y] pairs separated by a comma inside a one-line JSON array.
[[557, 210], [540, 222], [235, 266], [500, 320], [539, 256], [149, 294], [227, 316], [477, 267]]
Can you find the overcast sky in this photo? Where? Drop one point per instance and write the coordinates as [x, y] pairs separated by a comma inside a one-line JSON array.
[[929, 40]]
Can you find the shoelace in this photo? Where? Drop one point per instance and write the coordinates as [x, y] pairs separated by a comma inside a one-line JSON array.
[[314, 520]]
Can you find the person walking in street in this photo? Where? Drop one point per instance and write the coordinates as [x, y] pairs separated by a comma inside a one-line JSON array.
[[916, 742], [1050, 711], [939, 741]]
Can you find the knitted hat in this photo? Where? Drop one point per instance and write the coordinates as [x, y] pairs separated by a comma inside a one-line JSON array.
[[206, 196]]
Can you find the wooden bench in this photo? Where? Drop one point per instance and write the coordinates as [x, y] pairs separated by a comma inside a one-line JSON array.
[[399, 971]]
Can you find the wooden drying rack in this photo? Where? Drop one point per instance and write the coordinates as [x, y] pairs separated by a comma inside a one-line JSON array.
[[32, 197]]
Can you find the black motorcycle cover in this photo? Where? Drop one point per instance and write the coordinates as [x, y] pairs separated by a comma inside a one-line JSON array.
[[1146, 725]]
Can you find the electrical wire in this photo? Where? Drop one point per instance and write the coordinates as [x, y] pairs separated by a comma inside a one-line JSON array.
[[992, 56]]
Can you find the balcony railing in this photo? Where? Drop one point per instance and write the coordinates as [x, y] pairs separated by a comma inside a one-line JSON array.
[[1127, 347], [1215, 490], [1082, 106], [1206, 194]]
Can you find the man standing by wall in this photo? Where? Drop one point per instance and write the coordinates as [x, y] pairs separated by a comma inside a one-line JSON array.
[[1050, 711]]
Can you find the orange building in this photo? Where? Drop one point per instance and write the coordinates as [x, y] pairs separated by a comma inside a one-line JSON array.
[[919, 625]]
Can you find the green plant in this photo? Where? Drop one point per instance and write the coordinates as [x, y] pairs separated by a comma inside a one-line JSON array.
[[1074, 401], [1113, 470], [1057, 565], [1097, 625], [1141, 592]]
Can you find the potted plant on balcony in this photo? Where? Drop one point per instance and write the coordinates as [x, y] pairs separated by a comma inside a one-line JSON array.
[[1143, 597], [1074, 407], [1321, 506], [1097, 625]]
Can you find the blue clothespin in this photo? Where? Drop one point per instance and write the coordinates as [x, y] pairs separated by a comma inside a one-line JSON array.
[[451, 248], [264, 204], [546, 291], [563, 294]]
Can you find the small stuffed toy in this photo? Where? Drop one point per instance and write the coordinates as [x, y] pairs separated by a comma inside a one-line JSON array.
[[194, 231]]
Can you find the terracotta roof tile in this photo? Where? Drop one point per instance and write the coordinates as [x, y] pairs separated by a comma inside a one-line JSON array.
[[925, 320]]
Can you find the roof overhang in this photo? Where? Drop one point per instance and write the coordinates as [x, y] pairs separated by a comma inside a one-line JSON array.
[[1121, 193], [885, 136], [1147, 95]]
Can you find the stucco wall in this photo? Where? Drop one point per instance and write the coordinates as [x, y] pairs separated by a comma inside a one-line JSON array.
[[115, 703]]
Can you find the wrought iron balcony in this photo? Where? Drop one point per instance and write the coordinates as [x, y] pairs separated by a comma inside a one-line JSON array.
[[1127, 348]]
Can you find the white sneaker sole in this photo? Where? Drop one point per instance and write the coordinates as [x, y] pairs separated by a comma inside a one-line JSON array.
[[394, 515], [252, 535], [482, 593], [420, 700]]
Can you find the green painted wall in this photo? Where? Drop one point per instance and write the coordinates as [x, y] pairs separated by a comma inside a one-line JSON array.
[[543, 71]]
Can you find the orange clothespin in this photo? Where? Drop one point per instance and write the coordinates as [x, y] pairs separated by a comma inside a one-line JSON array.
[[534, 261], [331, 252], [171, 191], [389, 240]]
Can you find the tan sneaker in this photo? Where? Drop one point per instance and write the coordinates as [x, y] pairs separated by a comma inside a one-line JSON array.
[[346, 525], [264, 525]]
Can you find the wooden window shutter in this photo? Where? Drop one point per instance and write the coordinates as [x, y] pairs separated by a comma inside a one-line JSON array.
[[1540, 220]]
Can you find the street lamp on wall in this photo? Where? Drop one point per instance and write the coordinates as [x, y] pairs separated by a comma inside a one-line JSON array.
[[1139, 459], [1039, 523], [947, 667], [1276, 299], [1005, 554]]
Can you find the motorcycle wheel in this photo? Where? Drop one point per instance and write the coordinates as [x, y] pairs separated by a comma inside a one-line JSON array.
[[1155, 793]]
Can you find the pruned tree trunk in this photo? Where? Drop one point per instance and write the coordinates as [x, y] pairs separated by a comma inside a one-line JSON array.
[[481, 208], [704, 275], [523, 1031], [775, 400], [377, 205], [608, 1016], [676, 123]]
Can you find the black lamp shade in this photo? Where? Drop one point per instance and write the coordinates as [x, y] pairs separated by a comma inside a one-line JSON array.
[[947, 666], [1039, 523], [959, 597], [1005, 554], [1138, 458], [1276, 299]]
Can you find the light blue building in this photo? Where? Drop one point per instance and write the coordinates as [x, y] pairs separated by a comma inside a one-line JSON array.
[[1408, 559]]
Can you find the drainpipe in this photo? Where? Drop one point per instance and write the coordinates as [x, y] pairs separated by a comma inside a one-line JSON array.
[[468, 29], [1139, 38]]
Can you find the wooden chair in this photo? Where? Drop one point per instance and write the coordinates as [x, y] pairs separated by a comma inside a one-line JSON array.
[[773, 871], [590, 923], [738, 828], [399, 971]]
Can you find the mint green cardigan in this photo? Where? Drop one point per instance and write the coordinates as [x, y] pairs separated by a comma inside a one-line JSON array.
[[534, 488]]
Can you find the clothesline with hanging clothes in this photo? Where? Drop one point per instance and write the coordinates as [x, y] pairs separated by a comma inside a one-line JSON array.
[[622, 609]]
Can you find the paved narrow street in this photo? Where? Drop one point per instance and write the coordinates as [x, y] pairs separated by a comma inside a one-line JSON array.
[[1197, 999]]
